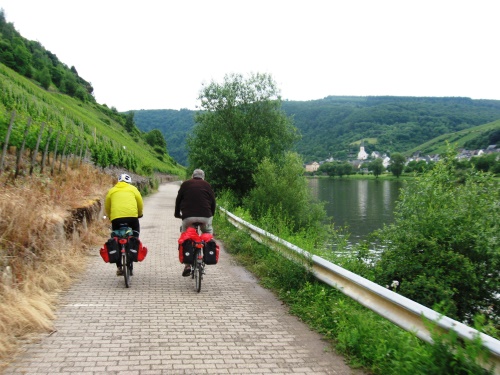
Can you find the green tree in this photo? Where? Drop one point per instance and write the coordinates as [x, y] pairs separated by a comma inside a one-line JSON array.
[[69, 84], [484, 163], [156, 138], [328, 168], [344, 169], [22, 58], [43, 76], [416, 166], [397, 164], [129, 122], [282, 192], [376, 167], [443, 247], [241, 124]]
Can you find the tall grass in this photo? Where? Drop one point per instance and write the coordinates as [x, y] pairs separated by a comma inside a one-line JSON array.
[[37, 259]]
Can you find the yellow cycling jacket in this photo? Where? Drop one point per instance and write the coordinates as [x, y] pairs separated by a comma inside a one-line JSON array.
[[123, 200]]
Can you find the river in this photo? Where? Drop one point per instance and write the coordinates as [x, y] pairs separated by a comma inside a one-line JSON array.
[[360, 205]]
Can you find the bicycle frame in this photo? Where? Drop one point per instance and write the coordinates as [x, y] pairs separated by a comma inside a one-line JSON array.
[[123, 234], [198, 266]]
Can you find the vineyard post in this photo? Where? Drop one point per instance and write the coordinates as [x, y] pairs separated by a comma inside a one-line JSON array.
[[4, 152], [63, 153], [54, 156], [67, 156], [35, 152], [44, 158], [21, 150], [83, 145]]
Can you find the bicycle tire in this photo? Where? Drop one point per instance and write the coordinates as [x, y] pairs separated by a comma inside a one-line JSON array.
[[126, 270], [197, 279], [197, 273]]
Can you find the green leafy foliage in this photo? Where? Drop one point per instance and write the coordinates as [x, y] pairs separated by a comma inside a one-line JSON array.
[[155, 138], [397, 164], [281, 192], [376, 167], [336, 168], [32, 60], [443, 247], [241, 124], [365, 339]]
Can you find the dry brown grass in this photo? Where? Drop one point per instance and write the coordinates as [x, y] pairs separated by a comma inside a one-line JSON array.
[[37, 261]]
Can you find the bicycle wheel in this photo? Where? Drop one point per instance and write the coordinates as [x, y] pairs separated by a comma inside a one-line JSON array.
[[197, 273], [197, 279], [126, 270]]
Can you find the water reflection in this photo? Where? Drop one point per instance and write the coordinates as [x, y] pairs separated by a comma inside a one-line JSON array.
[[360, 205]]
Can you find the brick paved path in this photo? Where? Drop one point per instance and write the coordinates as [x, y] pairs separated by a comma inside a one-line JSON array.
[[162, 326]]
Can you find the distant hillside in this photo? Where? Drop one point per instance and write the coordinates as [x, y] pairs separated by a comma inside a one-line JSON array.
[[174, 126], [475, 138], [39, 88], [335, 126]]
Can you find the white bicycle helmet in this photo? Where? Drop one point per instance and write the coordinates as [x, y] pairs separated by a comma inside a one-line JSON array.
[[125, 178]]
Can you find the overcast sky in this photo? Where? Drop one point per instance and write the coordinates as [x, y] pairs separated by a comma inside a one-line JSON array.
[[156, 54]]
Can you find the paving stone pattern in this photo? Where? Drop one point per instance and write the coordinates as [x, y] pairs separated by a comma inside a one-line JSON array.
[[160, 325]]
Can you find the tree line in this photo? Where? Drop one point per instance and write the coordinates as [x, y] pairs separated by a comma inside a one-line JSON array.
[[399, 164], [30, 59], [333, 127]]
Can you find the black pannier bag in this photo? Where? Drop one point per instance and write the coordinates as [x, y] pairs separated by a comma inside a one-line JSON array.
[[186, 252], [113, 250], [133, 246], [211, 252]]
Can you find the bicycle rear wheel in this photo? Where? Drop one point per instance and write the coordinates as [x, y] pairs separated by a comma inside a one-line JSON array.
[[197, 279], [197, 273], [126, 270]]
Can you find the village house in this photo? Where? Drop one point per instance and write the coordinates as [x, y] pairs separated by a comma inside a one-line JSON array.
[[313, 167]]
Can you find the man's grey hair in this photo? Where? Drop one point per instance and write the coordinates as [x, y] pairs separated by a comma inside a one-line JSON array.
[[198, 173]]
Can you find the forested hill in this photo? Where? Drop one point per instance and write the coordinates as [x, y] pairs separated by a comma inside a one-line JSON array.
[[335, 126], [174, 125], [43, 100]]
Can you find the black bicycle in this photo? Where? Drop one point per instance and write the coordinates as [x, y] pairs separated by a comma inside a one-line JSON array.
[[198, 265], [123, 235]]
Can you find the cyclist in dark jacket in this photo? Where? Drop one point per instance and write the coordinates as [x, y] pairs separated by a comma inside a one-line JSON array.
[[195, 203]]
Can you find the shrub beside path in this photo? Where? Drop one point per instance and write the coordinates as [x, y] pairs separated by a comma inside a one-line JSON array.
[[162, 326]]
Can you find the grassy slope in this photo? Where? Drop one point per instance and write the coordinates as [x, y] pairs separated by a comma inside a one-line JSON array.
[[438, 144], [62, 112]]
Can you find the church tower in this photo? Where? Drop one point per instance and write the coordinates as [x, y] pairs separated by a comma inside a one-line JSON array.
[[362, 155]]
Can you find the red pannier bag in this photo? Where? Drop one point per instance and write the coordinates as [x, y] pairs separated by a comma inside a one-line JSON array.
[[104, 254], [136, 249], [143, 251], [110, 252], [211, 252], [186, 245]]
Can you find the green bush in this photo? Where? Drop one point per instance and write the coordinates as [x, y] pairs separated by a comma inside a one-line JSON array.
[[443, 247]]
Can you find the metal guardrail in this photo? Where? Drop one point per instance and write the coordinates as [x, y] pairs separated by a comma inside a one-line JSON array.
[[403, 312]]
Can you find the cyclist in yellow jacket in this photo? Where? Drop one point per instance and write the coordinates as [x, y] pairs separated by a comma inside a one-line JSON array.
[[123, 206]]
